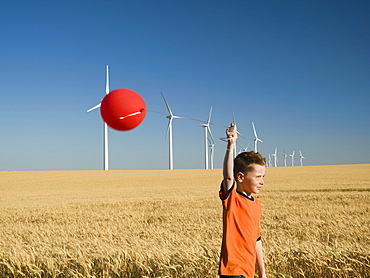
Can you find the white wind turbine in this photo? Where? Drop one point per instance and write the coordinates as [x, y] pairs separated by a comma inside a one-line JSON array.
[[105, 159], [242, 149], [234, 121], [275, 155], [301, 157], [170, 117], [269, 162], [255, 138], [225, 139], [210, 140], [292, 155], [285, 155]]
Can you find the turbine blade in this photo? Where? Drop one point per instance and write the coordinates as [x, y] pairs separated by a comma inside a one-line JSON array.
[[240, 134], [168, 107], [210, 134], [96, 106], [254, 130], [190, 119], [209, 116], [107, 81]]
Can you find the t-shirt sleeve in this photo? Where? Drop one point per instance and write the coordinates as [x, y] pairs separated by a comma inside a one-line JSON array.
[[224, 194]]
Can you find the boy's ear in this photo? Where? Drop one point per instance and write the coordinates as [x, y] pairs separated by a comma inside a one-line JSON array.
[[240, 177]]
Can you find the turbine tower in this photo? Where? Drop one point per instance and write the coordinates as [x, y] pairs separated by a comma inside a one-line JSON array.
[[285, 155], [170, 117], [210, 140], [255, 138], [212, 153], [275, 155], [269, 162], [292, 155], [301, 157], [105, 143]]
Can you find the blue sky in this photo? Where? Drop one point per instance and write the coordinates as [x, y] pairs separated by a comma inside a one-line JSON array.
[[300, 70]]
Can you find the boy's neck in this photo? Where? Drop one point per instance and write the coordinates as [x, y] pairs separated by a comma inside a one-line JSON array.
[[250, 197], [248, 194]]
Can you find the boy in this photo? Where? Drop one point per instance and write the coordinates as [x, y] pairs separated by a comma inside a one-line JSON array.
[[241, 241]]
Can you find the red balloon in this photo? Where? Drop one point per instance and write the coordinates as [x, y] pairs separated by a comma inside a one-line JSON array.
[[123, 109]]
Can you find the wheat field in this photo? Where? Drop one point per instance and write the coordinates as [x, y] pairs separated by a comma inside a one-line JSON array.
[[168, 223]]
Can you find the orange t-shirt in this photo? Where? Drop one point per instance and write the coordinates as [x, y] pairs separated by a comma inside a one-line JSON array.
[[241, 230]]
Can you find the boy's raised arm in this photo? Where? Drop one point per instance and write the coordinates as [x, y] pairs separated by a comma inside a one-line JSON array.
[[228, 166]]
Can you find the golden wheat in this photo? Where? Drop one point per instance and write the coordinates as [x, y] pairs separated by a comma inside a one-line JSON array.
[[168, 223]]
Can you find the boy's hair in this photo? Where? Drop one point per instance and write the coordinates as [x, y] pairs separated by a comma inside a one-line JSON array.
[[246, 161]]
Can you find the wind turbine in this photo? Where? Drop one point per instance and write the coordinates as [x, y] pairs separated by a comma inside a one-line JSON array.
[[301, 157], [275, 155], [207, 131], [234, 121], [285, 155], [292, 155], [242, 149], [170, 118], [269, 162], [105, 143], [255, 138], [225, 139]]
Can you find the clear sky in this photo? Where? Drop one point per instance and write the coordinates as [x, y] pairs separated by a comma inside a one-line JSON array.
[[300, 70]]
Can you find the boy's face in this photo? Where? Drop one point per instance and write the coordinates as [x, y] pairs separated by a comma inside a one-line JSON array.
[[252, 181]]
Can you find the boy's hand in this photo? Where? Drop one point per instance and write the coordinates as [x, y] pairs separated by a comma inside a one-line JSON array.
[[231, 134]]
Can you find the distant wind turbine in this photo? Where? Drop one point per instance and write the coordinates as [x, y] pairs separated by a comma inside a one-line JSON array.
[[275, 155], [225, 139], [210, 140], [234, 121], [170, 117], [255, 138], [301, 157], [269, 162], [242, 149], [285, 155], [292, 155], [105, 159]]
